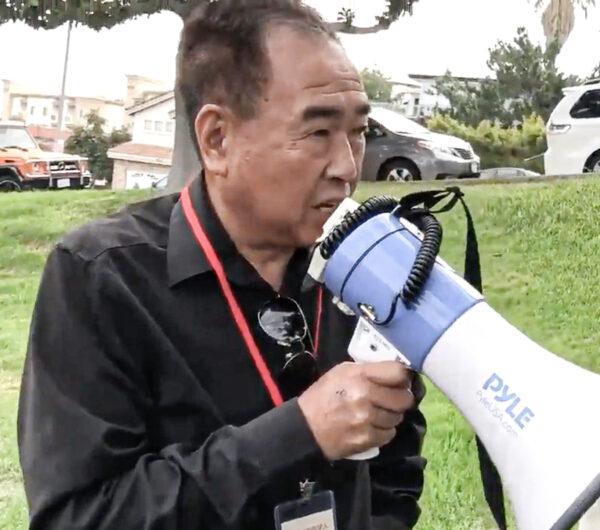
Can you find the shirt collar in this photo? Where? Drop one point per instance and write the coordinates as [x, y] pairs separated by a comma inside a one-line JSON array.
[[186, 259]]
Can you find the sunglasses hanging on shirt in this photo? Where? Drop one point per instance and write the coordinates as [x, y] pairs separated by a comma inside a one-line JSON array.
[[284, 322]]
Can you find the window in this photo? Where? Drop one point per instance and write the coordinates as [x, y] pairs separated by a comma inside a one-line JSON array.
[[81, 113], [169, 126], [374, 130], [588, 106], [32, 111], [18, 136], [147, 125], [45, 111], [158, 126]]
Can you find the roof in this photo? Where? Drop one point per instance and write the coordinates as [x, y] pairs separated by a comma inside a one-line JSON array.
[[152, 102], [41, 95], [148, 154], [582, 88], [12, 123], [459, 78], [49, 133]]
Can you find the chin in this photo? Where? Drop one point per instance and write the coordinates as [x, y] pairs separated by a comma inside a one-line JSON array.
[[307, 238]]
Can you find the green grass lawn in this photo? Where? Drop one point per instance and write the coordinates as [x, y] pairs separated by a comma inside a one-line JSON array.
[[539, 245]]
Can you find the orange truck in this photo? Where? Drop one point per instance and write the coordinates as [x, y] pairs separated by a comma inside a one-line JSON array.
[[24, 165]]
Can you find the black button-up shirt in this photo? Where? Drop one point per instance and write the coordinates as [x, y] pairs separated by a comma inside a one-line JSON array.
[[140, 407]]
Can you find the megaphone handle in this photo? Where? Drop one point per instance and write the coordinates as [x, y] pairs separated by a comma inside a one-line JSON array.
[[365, 455]]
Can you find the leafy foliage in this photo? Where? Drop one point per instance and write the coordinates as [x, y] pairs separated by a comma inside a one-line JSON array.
[[527, 81], [377, 85], [92, 142], [98, 14], [499, 146], [559, 17]]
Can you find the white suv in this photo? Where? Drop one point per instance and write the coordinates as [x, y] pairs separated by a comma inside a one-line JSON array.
[[574, 132]]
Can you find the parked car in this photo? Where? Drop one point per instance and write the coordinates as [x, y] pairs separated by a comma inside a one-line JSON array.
[[31, 167], [9, 178], [507, 173], [573, 132], [400, 150]]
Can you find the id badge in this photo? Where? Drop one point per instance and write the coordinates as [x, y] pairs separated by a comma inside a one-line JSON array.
[[316, 512]]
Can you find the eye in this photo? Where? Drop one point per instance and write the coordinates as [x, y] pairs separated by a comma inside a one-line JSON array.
[[321, 133], [359, 132]]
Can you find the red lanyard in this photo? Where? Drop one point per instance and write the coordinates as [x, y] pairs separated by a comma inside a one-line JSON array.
[[212, 257]]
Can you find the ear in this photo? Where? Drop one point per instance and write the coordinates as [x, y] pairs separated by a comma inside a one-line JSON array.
[[212, 126]]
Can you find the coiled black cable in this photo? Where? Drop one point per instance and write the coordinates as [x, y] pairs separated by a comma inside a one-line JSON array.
[[352, 220], [426, 256]]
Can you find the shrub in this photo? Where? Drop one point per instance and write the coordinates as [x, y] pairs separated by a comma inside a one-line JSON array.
[[496, 145]]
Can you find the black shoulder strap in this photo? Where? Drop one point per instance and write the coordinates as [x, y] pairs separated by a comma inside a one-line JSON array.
[[492, 484]]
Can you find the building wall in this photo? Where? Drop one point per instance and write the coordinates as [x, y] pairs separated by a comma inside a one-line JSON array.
[[4, 99], [112, 112], [122, 167], [35, 110], [43, 110], [153, 126], [141, 88]]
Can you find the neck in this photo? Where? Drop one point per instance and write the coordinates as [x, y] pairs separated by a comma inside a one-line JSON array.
[[269, 260]]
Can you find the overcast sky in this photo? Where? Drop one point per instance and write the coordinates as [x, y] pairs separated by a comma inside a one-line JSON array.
[[440, 35]]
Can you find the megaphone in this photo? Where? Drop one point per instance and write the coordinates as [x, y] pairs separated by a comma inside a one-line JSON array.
[[518, 397]]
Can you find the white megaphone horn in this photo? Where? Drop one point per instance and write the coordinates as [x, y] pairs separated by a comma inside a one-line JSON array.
[[517, 396]]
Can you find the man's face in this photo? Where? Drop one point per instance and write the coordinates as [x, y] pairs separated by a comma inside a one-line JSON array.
[[290, 166]]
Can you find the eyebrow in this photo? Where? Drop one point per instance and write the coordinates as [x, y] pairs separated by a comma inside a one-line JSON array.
[[323, 111]]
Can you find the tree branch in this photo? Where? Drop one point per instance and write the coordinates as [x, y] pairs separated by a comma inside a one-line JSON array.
[[343, 27]]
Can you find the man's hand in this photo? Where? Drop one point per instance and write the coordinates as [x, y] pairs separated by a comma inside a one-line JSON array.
[[355, 407]]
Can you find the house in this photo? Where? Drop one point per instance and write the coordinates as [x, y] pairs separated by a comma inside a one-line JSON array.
[[48, 137], [42, 109], [425, 103], [147, 158], [405, 94], [4, 100]]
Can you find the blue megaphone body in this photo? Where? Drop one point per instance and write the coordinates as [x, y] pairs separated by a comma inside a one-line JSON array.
[[514, 393]]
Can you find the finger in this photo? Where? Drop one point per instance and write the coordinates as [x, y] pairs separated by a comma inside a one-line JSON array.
[[384, 419], [418, 387], [388, 373], [395, 400], [381, 437], [369, 438]]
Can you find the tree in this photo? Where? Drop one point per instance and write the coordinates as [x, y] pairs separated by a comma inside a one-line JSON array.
[[559, 17], [377, 85], [526, 81], [92, 142], [98, 14]]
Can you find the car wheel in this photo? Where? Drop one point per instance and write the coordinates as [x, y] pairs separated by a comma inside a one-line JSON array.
[[399, 171], [593, 165], [8, 184]]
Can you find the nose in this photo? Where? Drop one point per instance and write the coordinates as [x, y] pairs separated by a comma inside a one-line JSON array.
[[343, 164]]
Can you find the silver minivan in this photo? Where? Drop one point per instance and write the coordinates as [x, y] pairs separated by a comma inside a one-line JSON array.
[[399, 149]]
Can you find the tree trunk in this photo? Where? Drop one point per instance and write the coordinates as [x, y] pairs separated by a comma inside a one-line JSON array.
[[591, 520], [185, 165]]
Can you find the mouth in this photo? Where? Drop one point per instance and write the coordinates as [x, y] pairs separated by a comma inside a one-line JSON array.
[[328, 206]]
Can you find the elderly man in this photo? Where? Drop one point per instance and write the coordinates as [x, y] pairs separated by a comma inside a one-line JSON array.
[[159, 391]]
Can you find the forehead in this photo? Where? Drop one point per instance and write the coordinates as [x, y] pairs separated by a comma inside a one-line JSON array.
[[308, 67]]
